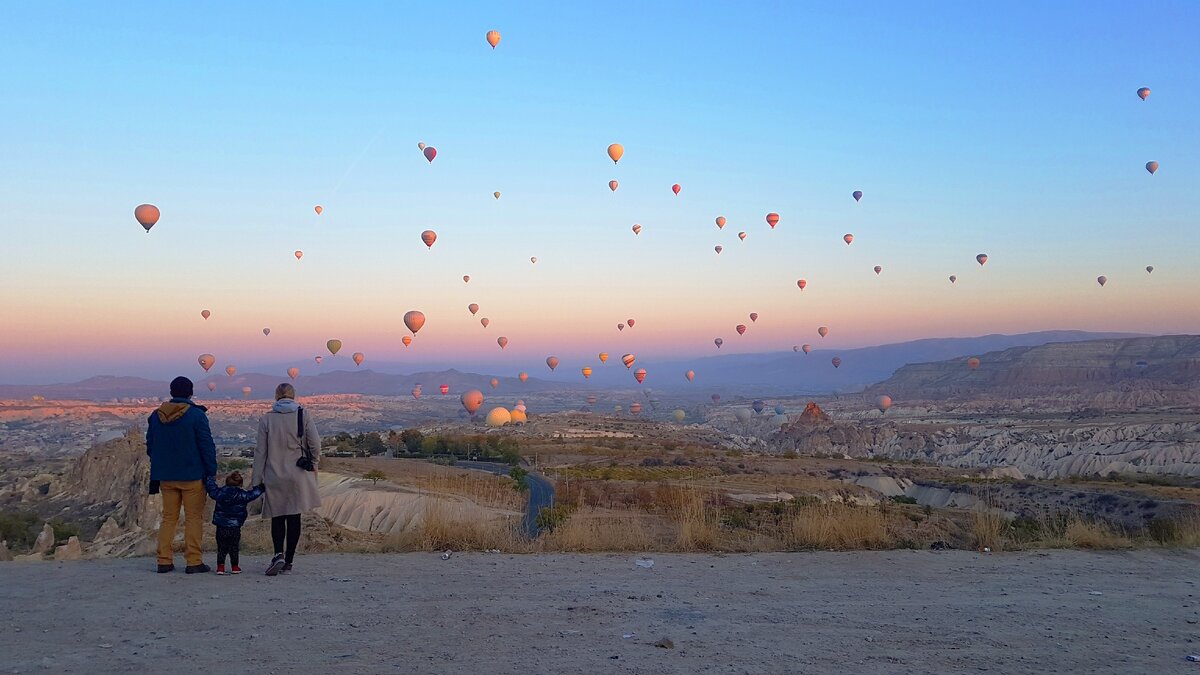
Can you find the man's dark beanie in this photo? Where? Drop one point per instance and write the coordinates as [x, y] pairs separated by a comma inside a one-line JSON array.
[[181, 387]]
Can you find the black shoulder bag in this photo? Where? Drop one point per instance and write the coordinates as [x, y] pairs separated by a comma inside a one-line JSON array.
[[306, 461]]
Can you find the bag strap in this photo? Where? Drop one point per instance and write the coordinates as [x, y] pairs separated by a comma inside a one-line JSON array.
[[300, 433]]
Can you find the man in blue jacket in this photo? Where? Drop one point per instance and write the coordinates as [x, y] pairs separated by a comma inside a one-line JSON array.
[[182, 454]]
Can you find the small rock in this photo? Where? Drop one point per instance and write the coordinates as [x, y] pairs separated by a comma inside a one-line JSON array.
[[45, 540], [71, 550], [665, 643]]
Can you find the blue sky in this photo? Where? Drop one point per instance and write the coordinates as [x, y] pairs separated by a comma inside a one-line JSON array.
[[1010, 128]]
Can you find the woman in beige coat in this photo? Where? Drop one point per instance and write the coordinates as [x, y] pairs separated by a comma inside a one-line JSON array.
[[291, 489]]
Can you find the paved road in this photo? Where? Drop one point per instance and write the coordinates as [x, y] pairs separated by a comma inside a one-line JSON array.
[[541, 491]]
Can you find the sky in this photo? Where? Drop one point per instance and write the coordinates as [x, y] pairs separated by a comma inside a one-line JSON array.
[[1011, 129]]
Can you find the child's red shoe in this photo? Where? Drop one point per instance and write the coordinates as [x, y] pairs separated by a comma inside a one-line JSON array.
[[221, 570], [236, 570]]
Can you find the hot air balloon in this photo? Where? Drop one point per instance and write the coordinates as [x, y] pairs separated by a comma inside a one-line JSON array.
[[407, 340], [205, 313], [1149, 269], [718, 342], [718, 249], [742, 415], [473, 308], [293, 372], [587, 371], [620, 326], [753, 317], [333, 346], [493, 38], [494, 382], [883, 403], [823, 331], [591, 399], [741, 329], [675, 188], [358, 358], [953, 278], [429, 236], [637, 229], [523, 377], [635, 408], [679, 415], [716, 398], [603, 357], [742, 236], [878, 269], [206, 361], [1143, 93], [973, 363], [212, 386], [629, 322], [498, 417], [981, 259], [613, 185], [318, 359], [518, 415], [445, 389], [420, 146], [414, 320], [758, 406], [690, 375], [147, 215], [640, 375], [502, 341], [615, 152], [471, 400], [1102, 280], [318, 208], [796, 348], [246, 392], [848, 238], [298, 254], [430, 152], [496, 194], [552, 361], [416, 393], [720, 222], [533, 260], [806, 348], [779, 409], [837, 362], [1152, 167], [628, 360], [772, 219], [801, 283], [231, 370], [485, 322], [466, 278], [857, 194]]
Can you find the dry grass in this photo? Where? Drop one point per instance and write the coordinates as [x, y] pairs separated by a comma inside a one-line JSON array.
[[592, 531], [1096, 535], [987, 530], [698, 521], [482, 488], [833, 526], [443, 527]]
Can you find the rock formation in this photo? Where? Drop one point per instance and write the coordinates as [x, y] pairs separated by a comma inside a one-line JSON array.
[[45, 540], [117, 472], [72, 550], [5, 556], [109, 530]]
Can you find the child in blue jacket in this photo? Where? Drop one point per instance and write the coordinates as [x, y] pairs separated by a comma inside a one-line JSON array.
[[229, 515]]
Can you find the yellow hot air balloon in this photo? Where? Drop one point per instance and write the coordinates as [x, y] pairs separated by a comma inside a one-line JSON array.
[[493, 38], [603, 356], [231, 370], [498, 417], [502, 341], [552, 361], [471, 400], [615, 152], [518, 416], [414, 320], [628, 360], [358, 358], [293, 372], [587, 371], [206, 361], [333, 346], [680, 415]]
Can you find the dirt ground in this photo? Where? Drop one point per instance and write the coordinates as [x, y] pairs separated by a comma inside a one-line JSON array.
[[877, 612]]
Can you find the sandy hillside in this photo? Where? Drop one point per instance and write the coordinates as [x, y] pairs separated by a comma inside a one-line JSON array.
[[878, 612]]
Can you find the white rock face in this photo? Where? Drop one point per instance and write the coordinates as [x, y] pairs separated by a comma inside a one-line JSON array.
[[44, 541], [108, 530], [72, 550], [356, 504]]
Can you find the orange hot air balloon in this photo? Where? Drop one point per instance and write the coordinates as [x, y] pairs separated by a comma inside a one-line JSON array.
[[473, 308], [742, 236], [414, 320], [878, 269], [1143, 93], [690, 375], [721, 222], [801, 283], [741, 329], [293, 372], [753, 317], [471, 400], [823, 331], [836, 361], [495, 383], [635, 408], [429, 236], [523, 377], [266, 331], [298, 254], [318, 359], [484, 322], [496, 194], [953, 278], [981, 259], [416, 393], [640, 375], [883, 403], [587, 371], [973, 363], [552, 361], [212, 386], [493, 38], [620, 326], [628, 360], [613, 185], [603, 357], [615, 152], [246, 392], [675, 188], [206, 361], [333, 346], [629, 322], [502, 341], [445, 389], [407, 340], [358, 358], [637, 229], [1102, 280], [205, 313], [772, 219], [231, 370], [718, 249], [147, 215], [848, 238], [1152, 167], [806, 348], [318, 208], [718, 342], [857, 194], [430, 152], [466, 278]]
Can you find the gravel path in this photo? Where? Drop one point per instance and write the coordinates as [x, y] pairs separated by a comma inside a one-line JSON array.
[[876, 612]]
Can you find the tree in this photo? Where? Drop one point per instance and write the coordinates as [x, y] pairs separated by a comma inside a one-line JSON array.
[[412, 439], [374, 475]]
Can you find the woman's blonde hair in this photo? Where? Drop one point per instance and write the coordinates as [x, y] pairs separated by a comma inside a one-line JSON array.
[[285, 390]]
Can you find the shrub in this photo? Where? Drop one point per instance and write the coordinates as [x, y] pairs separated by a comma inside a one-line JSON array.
[[550, 518], [236, 464], [374, 475], [837, 526], [63, 530], [19, 528], [519, 475], [903, 499]]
